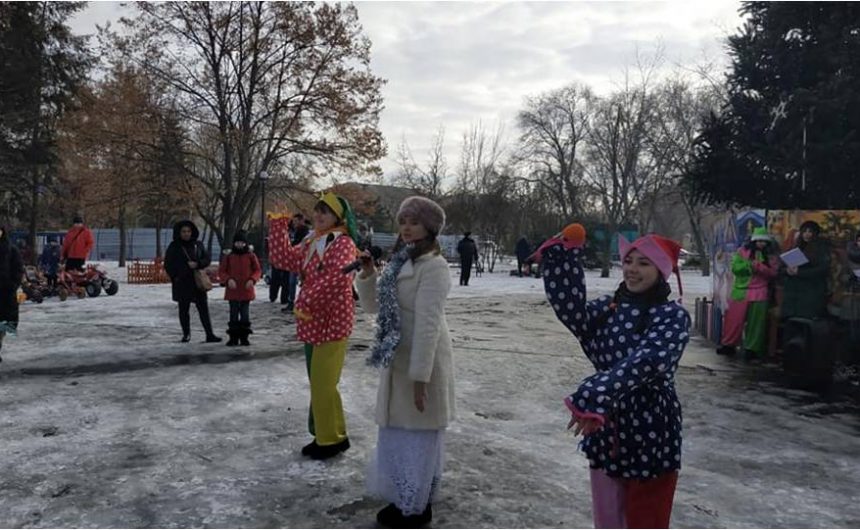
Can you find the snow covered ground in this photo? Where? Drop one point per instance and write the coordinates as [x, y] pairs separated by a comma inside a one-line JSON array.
[[501, 283], [106, 420]]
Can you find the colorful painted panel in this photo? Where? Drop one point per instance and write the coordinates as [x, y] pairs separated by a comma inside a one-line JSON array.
[[839, 227]]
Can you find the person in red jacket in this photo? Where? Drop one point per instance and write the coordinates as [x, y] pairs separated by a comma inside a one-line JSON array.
[[77, 245], [241, 270]]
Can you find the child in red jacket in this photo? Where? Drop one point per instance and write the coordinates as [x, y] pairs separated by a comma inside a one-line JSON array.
[[241, 270]]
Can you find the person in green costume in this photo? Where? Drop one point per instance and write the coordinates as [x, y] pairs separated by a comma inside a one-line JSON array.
[[754, 266]]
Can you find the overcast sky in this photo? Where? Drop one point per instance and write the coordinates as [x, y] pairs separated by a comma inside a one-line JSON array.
[[455, 64]]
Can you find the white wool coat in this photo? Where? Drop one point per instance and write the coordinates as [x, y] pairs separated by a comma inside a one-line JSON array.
[[424, 353]]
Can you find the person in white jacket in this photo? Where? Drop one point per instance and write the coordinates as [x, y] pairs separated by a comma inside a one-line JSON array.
[[415, 401]]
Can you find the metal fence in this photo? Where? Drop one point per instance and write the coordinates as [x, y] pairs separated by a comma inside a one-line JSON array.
[[140, 243], [448, 243]]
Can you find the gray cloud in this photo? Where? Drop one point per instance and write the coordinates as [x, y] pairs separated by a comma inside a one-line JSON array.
[[455, 64]]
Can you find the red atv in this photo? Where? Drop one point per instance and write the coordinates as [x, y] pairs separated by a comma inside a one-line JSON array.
[[35, 287], [88, 283]]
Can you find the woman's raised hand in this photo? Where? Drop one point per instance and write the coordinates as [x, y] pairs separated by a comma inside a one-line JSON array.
[[367, 265]]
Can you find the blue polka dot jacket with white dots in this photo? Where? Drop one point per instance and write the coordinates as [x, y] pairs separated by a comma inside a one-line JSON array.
[[635, 350]]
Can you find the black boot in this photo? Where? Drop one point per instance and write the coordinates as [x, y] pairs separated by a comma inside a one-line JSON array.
[[186, 338], [392, 517], [244, 331], [324, 452], [308, 449], [726, 350], [233, 333], [206, 320]]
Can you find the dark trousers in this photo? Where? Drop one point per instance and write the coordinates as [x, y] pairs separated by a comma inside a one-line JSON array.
[[52, 280], [465, 271], [239, 311], [292, 283], [75, 264], [520, 263], [279, 282], [202, 310]]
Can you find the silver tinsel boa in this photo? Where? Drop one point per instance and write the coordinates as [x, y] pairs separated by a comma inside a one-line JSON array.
[[388, 318]]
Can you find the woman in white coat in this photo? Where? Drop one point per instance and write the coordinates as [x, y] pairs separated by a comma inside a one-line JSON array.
[[415, 401]]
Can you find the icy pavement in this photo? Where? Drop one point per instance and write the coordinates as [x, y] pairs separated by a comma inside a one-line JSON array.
[[107, 421]]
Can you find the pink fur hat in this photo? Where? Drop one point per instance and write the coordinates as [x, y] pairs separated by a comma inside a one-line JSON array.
[[425, 211], [663, 253]]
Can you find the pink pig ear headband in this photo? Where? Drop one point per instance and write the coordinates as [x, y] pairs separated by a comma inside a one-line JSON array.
[[662, 252]]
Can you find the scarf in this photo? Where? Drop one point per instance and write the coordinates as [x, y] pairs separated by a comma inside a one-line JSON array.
[[388, 320], [655, 296], [658, 294]]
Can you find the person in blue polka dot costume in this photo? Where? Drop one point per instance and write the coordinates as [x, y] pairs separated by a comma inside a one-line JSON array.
[[627, 410]]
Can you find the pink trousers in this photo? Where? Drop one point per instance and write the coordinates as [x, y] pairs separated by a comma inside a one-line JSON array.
[[733, 324]]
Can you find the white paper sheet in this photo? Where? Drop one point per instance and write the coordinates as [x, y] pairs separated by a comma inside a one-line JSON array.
[[794, 258]]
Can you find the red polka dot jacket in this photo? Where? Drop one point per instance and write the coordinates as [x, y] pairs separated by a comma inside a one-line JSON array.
[[325, 309], [635, 351]]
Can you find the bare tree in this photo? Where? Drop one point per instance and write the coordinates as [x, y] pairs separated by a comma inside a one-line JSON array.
[[681, 108], [258, 83], [553, 128], [481, 201], [430, 179], [619, 172], [480, 156], [105, 147]]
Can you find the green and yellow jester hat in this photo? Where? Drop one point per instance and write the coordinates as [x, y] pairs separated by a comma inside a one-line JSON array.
[[343, 211]]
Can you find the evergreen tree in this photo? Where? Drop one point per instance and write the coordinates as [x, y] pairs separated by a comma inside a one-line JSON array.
[[788, 136], [41, 67]]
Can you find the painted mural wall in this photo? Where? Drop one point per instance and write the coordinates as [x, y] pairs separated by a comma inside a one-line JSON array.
[[839, 227], [728, 235]]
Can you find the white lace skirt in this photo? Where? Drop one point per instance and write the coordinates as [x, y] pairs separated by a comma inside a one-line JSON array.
[[407, 467]]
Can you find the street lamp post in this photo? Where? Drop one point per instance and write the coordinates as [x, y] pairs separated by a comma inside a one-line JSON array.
[[264, 176]]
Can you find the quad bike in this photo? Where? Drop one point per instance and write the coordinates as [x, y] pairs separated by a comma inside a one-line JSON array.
[[88, 283], [34, 286]]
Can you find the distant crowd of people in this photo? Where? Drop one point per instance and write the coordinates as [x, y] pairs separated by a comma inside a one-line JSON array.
[[802, 276]]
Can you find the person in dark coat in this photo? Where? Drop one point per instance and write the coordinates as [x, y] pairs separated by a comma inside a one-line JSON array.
[[805, 287], [11, 274], [468, 251], [184, 255], [853, 253], [49, 261], [523, 251], [241, 270]]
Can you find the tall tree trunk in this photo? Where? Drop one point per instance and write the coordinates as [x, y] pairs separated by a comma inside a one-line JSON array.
[[611, 228], [701, 248], [698, 237], [159, 222], [32, 157], [34, 215], [122, 236]]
